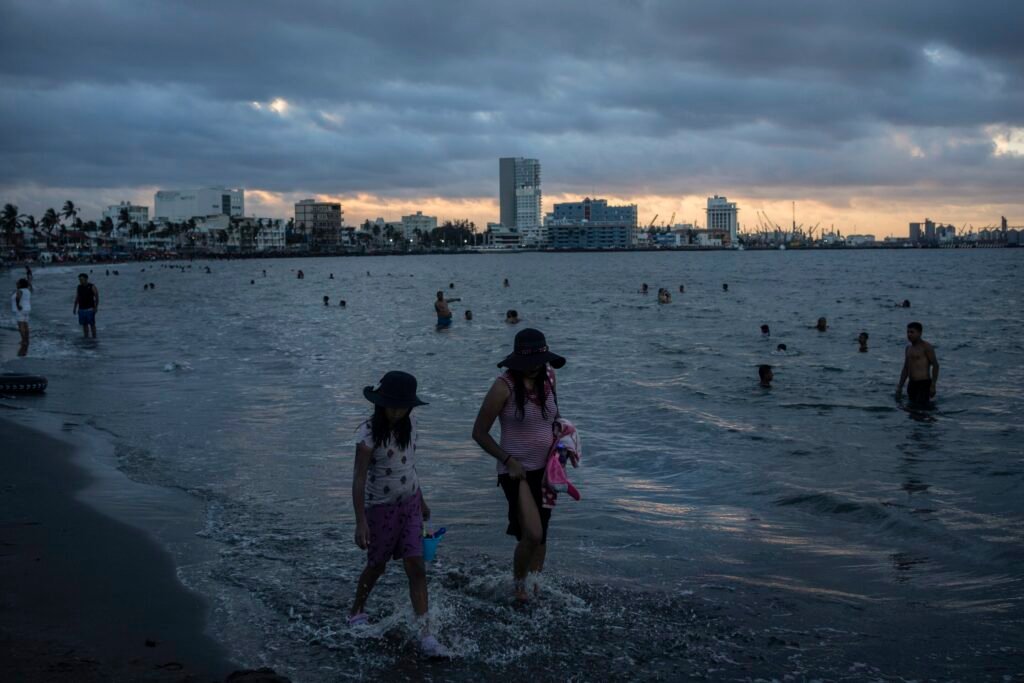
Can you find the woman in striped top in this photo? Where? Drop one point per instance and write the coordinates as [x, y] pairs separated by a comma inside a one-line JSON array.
[[523, 400]]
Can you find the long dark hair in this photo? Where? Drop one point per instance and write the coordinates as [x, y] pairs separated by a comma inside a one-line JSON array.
[[540, 386], [383, 430]]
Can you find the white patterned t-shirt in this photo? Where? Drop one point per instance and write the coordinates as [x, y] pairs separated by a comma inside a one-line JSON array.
[[391, 477]]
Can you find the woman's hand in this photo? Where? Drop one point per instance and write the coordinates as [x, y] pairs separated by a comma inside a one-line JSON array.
[[515, 470], [362, 534]]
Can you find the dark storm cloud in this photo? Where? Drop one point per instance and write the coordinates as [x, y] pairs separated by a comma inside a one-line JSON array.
[[413, 97]]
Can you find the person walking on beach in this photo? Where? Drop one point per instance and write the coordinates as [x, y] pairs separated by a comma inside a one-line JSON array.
[[21, 306], [389, 504], [87, 304], [919, 365], [444, 314], [524, 401]]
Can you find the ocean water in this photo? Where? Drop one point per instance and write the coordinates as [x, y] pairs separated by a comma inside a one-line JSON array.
[[816, 529]]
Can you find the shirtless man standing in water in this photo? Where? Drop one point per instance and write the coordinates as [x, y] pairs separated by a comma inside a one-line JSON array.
[[921, 366]]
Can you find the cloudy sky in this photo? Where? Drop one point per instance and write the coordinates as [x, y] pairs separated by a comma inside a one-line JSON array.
[[867, 114]]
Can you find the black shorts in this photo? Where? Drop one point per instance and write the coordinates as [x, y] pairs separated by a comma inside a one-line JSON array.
[[510, 486], [919, 391]]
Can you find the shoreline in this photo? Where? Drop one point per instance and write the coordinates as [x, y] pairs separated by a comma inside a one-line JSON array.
[[155, 257], [84, 596]]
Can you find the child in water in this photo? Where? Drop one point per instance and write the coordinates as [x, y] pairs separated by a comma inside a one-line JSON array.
[[388, 500]]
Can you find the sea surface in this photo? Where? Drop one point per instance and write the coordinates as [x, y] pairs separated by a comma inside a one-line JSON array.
[[817, 529]]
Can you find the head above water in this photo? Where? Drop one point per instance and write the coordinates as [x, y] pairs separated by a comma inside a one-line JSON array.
[[765, 329], [822, 324], [780, 347], [469, 315], [765, 374]]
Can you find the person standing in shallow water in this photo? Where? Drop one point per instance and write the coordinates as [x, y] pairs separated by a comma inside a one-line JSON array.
[[21, 306], [388, 501], [919, 365], [87, 305], [523, 400]]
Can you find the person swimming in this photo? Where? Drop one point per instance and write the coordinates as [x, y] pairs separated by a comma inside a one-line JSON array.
[[327, 300], [906, 303], [682, 289], [331, 277], [342, 303], [781, 348], [512, 316], [664, 297], [643, 288], [725, 287], [469, 315], [506, 282], [862, 339], [300, 275], [765, 375], [765, 331], [821, 325]]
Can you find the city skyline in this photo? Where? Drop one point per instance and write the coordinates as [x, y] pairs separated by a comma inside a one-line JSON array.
[[869, 117]]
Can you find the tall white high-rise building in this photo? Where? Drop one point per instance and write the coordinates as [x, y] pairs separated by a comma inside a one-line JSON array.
[[721, 217], [417, 221], [181, 205], [136, 213], [519, 193]]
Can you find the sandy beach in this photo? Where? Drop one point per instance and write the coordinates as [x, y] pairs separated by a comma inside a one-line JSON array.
[[85, 597]]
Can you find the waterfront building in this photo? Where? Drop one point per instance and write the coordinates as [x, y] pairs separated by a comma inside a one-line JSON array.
[[519, 192], [500, 236], [594, 210], [578, 234], [722, 219], [320, 223], [136, 213], [860, 240], [929, 230], [417, 221], [915, 233], [181, 205]]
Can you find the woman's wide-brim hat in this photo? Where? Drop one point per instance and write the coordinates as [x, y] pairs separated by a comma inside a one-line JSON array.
[[397, 389], [531, 350]]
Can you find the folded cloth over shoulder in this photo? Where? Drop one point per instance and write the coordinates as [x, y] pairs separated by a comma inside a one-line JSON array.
[[565, 448]]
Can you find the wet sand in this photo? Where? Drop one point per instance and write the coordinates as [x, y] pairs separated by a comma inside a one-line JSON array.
[[84, 597]]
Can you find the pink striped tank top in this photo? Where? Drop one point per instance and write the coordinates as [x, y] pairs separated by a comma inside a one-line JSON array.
[[527, 440]]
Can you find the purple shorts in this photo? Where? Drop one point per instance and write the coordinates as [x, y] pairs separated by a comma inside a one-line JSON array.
[[396, 531]]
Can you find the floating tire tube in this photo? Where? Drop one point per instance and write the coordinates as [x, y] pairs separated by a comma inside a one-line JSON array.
[[16, 383]]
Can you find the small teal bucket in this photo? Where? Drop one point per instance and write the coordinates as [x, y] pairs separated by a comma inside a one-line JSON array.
[[430, 548]]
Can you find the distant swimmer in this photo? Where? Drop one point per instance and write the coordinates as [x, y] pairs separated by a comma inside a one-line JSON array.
[[821, 325], [301, 275], [264, 273], [506, 282], [862, 339], [208, 271], [725, 287], [781, 348], [906, 303], [331, 277], [643, 288], [152, 285], [145, 287], [664, 297], [765, 374], [342, 303], [252, 282], [87, 304], [327, 300], [21, 306], [444, 313], [682, 289], [919, 365], [765, 331], [451, 285], [469, 314], [512, 316]]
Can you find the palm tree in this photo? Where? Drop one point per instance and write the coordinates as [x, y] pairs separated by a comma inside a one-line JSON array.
[[70, 211], [107, 225], [124, 218], [48, 223], [10, 221]]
